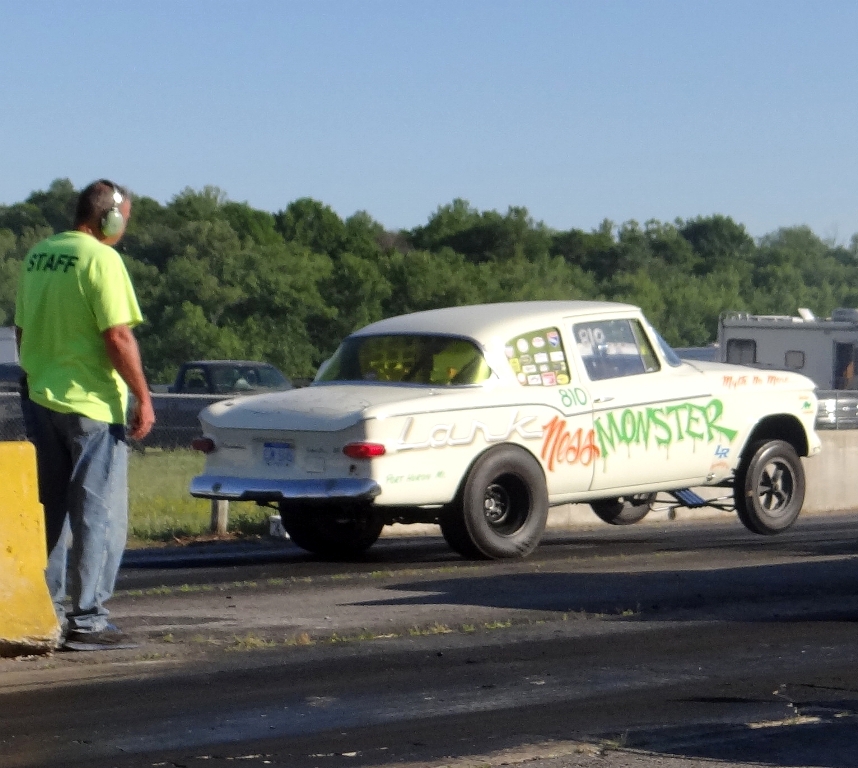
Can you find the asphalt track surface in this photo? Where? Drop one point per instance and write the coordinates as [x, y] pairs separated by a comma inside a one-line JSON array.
[[662, 644]]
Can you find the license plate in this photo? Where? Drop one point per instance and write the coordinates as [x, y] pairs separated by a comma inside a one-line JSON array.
[[278, 454]]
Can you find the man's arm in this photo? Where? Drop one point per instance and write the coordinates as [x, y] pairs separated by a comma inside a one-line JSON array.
[[124, 353]]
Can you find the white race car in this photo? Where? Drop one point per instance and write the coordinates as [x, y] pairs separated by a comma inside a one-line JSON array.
[[479, 418]]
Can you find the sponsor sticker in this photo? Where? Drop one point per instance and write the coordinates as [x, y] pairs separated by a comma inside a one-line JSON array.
[[536, 353]]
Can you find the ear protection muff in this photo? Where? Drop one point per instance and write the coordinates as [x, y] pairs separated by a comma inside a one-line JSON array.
[[113, 222]]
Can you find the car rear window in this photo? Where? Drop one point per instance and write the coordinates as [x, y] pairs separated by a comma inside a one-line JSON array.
[[236, 378], [407, 359]]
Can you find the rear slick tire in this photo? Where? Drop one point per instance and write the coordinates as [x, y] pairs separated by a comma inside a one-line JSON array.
[[769, 487], [502, 507]]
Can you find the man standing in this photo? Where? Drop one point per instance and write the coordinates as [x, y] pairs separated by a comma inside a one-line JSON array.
[[74, 312]]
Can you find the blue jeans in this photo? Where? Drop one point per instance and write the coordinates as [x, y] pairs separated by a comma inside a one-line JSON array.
[[83, 486]]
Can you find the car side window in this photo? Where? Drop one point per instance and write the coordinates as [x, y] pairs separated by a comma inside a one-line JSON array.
[[269, 377], [246, 378], [223, 379], [613, 349], [538, 359], [195, 381]]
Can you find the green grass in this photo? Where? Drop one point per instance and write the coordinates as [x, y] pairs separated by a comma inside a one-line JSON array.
[[161, 509]]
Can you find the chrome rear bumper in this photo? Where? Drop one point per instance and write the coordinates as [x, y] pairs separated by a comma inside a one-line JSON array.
[[253, 489]]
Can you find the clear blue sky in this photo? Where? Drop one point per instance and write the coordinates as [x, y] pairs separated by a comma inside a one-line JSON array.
[[579, 111]]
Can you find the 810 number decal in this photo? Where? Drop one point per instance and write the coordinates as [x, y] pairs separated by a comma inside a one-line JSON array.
[[573, 396]]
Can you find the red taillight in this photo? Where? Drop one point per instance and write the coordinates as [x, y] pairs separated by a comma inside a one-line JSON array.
[[204, 444], [363, 450]]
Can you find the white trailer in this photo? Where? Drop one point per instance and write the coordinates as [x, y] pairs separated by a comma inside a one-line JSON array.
[[825, 350]]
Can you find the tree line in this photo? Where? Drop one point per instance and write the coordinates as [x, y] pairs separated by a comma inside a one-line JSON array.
[[220, 279]]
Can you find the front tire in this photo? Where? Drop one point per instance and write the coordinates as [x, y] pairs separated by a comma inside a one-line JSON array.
[[330, 531], [769, 487], [625, 510], [502, 508]]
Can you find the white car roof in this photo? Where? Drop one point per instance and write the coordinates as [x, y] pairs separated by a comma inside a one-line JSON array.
[[482, 321]]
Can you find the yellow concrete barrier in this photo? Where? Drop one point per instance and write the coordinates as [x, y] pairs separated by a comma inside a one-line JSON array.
[[28, 623]]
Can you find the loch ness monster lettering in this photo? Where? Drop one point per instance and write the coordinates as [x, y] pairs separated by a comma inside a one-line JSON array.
[[665, 426]]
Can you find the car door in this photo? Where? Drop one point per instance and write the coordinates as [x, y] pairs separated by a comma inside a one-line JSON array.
[[652, 420]]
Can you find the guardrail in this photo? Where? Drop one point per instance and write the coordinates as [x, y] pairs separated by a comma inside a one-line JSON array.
[[178, 424], [177, 421]]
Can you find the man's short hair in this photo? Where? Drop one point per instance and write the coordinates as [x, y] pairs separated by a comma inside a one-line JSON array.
[[96, 200]]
